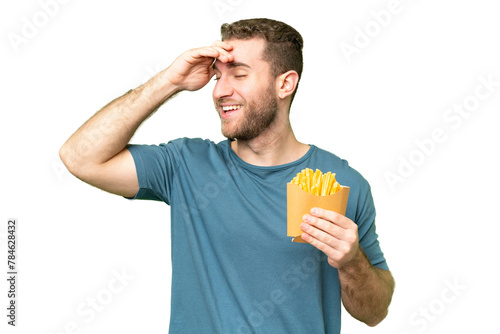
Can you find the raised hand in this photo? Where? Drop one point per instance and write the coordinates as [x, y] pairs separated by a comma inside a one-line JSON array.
[[193, 69]]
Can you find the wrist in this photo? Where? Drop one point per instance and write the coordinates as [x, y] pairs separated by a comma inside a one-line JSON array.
[[163, 87], [357, 264]]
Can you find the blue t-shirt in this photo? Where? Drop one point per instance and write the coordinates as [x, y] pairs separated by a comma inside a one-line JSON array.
[[234, 269]]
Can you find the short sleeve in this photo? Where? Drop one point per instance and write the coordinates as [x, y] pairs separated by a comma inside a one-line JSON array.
[[156, 166], [368, 238]]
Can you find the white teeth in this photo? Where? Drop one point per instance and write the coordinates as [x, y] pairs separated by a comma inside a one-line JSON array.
[[229, 108]]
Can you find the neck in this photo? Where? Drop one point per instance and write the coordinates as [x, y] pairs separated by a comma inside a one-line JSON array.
[[277, 145]]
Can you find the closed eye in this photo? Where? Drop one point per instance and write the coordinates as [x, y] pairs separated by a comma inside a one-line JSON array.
[[236, 76]]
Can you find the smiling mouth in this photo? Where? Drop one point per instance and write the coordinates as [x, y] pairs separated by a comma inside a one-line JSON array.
[[227, 109]]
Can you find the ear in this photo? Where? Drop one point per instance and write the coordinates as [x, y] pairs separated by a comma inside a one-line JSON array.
[[286, 84]]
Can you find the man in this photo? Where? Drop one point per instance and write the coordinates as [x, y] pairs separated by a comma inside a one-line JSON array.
[[234, 270]]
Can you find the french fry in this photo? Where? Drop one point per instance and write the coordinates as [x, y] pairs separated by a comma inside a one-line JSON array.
[[316, 182]]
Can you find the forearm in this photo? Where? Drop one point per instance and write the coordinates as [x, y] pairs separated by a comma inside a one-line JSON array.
[[366, 290], [108, 132]]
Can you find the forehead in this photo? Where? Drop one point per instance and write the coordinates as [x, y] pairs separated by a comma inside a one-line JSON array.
[[248, 51]]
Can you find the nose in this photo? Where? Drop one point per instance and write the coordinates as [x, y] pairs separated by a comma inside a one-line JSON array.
[[222, 88]]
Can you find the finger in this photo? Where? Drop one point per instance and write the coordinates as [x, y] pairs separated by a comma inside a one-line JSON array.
[[212, 52], [325, 248], [223, 45], [223, 48], [201, 54], [332, 216], [321, 235], [224, 55], [325, 225], [209, 51]]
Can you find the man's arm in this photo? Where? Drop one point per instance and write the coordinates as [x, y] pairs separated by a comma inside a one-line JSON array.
[[366, 290], [96, 153]]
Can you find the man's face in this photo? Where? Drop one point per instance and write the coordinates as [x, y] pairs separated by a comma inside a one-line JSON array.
[[245, 94]]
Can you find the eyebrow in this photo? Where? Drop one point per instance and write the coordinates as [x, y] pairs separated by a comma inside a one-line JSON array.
[[233, 65]]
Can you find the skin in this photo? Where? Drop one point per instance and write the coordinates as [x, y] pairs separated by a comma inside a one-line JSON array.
[[97, 153], [276, 144], [254, 115], [366, 290]]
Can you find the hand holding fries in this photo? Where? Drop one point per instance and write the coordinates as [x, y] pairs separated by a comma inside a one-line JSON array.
[[323, 223], [333, 234], [312, 189]]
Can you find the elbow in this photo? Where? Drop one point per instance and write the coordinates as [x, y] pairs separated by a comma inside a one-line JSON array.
[[65, 155], [377, 320], [381, 313], [68, 158]]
